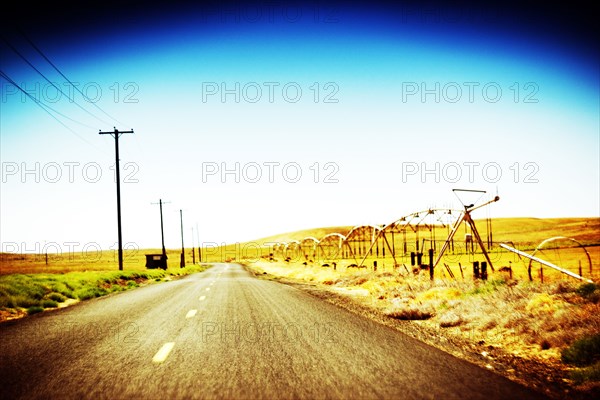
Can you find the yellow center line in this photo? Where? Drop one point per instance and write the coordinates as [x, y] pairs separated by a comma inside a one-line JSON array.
[[162, 354]]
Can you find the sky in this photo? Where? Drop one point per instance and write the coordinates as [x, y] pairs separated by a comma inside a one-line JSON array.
[[260, 118]]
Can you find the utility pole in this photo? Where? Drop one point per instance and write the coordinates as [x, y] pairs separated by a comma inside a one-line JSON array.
[[182, 263], [193, 248], [162, 231], [116, 133], [198, 241]]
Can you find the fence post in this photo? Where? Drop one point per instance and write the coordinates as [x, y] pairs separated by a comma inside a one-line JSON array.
[[430, 264], [484, 270], [475, 269]]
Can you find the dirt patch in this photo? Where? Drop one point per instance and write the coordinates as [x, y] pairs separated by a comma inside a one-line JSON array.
[[7, 315]]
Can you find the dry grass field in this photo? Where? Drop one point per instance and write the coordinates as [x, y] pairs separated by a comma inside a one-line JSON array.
[[525, 234], [133, 260]]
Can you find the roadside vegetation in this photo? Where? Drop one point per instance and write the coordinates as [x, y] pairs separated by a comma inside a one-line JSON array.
[[22, 294], [584, 354]]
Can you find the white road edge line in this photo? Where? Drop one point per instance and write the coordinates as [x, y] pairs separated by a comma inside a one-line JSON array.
[[162, 354], [191, 314]]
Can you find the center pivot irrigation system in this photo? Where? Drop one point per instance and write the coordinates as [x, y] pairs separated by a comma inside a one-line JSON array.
[[415, 235], [416, 232], [466, 218]]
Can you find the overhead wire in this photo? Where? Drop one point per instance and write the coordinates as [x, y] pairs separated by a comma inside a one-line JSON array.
[[32, 44], [67, 79], [47, 108], [72, 100]]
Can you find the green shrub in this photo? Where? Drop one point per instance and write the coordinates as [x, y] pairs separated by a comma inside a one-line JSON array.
[[49, 304], [34, 310], [63, 288], [591, 373], [90, 293], [25, 302], [57, 297], [583, 352], [6, 300], [586, 289], [115, 288]]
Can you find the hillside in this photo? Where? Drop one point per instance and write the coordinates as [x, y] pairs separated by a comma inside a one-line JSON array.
[[517, 230]]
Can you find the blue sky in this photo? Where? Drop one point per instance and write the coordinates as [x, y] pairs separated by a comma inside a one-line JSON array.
[[501, 96]]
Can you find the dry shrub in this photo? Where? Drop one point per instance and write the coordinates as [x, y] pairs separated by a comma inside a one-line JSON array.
[[440, 293], [490, 324], [360, 280], [516, 320], [540, 303], [562, 287], [450, 319], [411, 312]]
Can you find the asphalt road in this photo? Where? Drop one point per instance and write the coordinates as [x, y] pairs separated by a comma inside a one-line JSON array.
[[226, 334]]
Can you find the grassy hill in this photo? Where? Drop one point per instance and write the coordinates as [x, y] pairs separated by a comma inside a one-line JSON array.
[[516, 230]]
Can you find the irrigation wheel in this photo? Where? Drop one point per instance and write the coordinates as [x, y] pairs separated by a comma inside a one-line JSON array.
[[564, 252]]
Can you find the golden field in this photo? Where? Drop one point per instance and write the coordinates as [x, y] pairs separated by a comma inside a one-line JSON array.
[[523, 233]]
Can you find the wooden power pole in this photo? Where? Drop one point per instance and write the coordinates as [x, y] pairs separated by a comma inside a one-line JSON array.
[[116, 133], [182, 263]]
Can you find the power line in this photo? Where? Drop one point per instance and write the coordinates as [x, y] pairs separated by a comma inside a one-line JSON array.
[[46, 108], [68, 80], [39, 102], [72, 100]]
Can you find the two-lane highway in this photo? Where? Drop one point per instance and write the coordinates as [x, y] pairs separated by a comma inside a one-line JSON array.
[[223, 333]]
